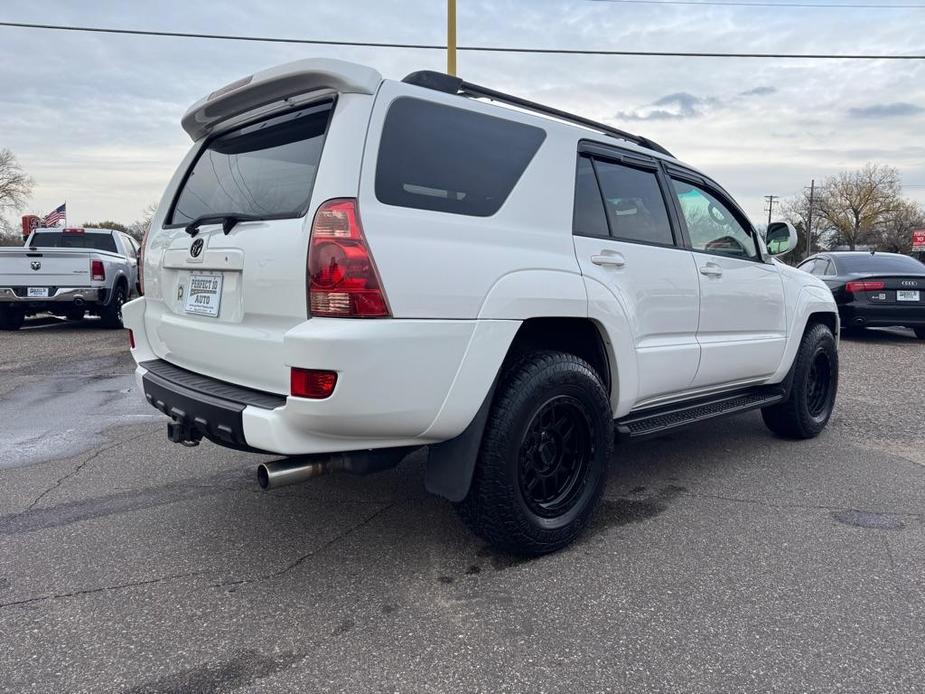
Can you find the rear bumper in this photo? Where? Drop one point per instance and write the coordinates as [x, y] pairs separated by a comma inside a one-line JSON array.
[[59, 295], [400, 383], [858, 315]]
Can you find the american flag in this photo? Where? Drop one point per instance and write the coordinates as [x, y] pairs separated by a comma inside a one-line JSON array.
[[55, 216]]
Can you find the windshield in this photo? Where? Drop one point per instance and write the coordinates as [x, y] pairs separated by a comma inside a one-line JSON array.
[[878, 263], [58, 239], [264, 170]]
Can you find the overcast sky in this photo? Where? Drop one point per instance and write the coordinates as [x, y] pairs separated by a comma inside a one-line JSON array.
[[95, 118]]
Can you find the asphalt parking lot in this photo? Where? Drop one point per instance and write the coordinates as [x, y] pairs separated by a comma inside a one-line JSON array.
[[723, 559]]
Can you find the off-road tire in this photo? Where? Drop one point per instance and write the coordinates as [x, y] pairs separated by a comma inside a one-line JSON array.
[[807, 409], [112, 313], [536, 393], [11, 318]]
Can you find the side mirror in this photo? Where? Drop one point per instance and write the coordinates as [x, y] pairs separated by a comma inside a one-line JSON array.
[[781, 238]]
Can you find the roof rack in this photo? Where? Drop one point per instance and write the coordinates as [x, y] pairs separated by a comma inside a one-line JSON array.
[[441, 82]]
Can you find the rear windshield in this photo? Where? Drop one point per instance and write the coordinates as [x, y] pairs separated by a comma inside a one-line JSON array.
[[848, 264], [264, 170], [436, 157], [57, 239]]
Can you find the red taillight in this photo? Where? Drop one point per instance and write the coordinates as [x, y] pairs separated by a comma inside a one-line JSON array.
[[312, 383], [97, 271], [342, 277], [72, 230], [131, 339], [864, 286]]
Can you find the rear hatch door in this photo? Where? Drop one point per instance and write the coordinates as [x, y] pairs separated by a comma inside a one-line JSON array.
[[225, 270]]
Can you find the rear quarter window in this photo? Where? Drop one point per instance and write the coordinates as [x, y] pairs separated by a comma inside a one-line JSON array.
[[446, 159]]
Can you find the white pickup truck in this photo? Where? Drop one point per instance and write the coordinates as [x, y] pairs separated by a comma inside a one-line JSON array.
[[346, 268], [68, 272]]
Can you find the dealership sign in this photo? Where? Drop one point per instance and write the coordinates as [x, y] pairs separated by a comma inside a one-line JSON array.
[[918, 240]]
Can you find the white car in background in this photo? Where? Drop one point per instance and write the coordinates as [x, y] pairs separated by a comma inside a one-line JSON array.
[[70, 272]]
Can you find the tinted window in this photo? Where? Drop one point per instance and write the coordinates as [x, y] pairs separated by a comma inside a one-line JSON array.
[[264, 170], [436, 157], [635, 206], [711, 224], [589, 219], [57, 239], [878, 262], [806, 266]]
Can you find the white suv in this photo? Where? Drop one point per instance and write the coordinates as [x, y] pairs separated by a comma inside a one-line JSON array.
[[345, 269]]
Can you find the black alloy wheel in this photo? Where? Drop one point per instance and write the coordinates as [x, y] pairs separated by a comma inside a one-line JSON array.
[[554, 453]]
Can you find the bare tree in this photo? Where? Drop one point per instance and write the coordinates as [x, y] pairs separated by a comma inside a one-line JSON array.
[[796, 210], [895, 231], [138, 228], [855, 203], [15, 184], [15, 191]]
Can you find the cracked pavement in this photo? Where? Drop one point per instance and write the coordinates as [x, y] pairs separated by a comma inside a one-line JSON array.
[[723, 559]]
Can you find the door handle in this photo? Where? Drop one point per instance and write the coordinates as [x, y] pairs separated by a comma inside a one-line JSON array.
[[609, 258], [711, 270]]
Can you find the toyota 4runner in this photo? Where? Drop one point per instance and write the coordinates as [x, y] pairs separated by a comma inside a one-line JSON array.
[[345, 269]]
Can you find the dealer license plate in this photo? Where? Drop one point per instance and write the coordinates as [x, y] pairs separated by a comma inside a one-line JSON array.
[[37, 291], [907, 295], [204, 295]]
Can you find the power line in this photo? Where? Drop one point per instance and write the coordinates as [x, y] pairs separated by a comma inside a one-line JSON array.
[[813, 5], [771, 200], [473, 49]]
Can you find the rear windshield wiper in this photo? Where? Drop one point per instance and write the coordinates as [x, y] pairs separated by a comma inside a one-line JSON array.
[[227, 221]]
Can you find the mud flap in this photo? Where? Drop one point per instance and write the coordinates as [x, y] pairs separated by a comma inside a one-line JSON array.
[[449, 468]]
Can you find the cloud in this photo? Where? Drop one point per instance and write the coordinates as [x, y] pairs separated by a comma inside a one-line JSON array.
[[675, 106], [896, 109], [682, 105], [759, 91]]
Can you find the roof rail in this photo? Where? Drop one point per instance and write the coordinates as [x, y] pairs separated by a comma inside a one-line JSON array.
[[441, 82]]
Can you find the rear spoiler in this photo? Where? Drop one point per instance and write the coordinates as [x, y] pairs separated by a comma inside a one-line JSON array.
[[276, 84]]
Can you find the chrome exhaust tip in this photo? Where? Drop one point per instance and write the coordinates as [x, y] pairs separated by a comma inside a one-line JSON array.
[[281, 473]]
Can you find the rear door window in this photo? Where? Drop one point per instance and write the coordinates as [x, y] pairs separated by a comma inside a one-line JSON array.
[[634, 202], [446, 159], [58, 239], [264, 170]]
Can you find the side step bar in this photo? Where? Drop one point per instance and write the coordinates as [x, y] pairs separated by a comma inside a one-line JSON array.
[[657, 420]]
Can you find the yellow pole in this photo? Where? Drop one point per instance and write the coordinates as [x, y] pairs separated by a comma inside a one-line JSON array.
[[451, 37]]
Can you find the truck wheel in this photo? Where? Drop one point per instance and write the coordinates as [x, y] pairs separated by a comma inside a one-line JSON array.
[[11, 318], [543, 460], [807, 409], [112, 314]]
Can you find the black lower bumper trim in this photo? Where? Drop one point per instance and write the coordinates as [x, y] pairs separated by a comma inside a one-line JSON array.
[[217, 419]]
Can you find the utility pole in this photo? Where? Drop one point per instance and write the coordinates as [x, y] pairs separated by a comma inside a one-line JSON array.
[[809, 218], [771, 199], [451, 37]]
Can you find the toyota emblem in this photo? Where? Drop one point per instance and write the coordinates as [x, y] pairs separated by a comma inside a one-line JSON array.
[[196, 248], [36, 265]]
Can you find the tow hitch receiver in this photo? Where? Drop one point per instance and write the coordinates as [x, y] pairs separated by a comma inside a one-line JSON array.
[[179, 431]]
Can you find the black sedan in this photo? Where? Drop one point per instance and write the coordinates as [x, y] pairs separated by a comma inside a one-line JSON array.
[[873, 289]]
